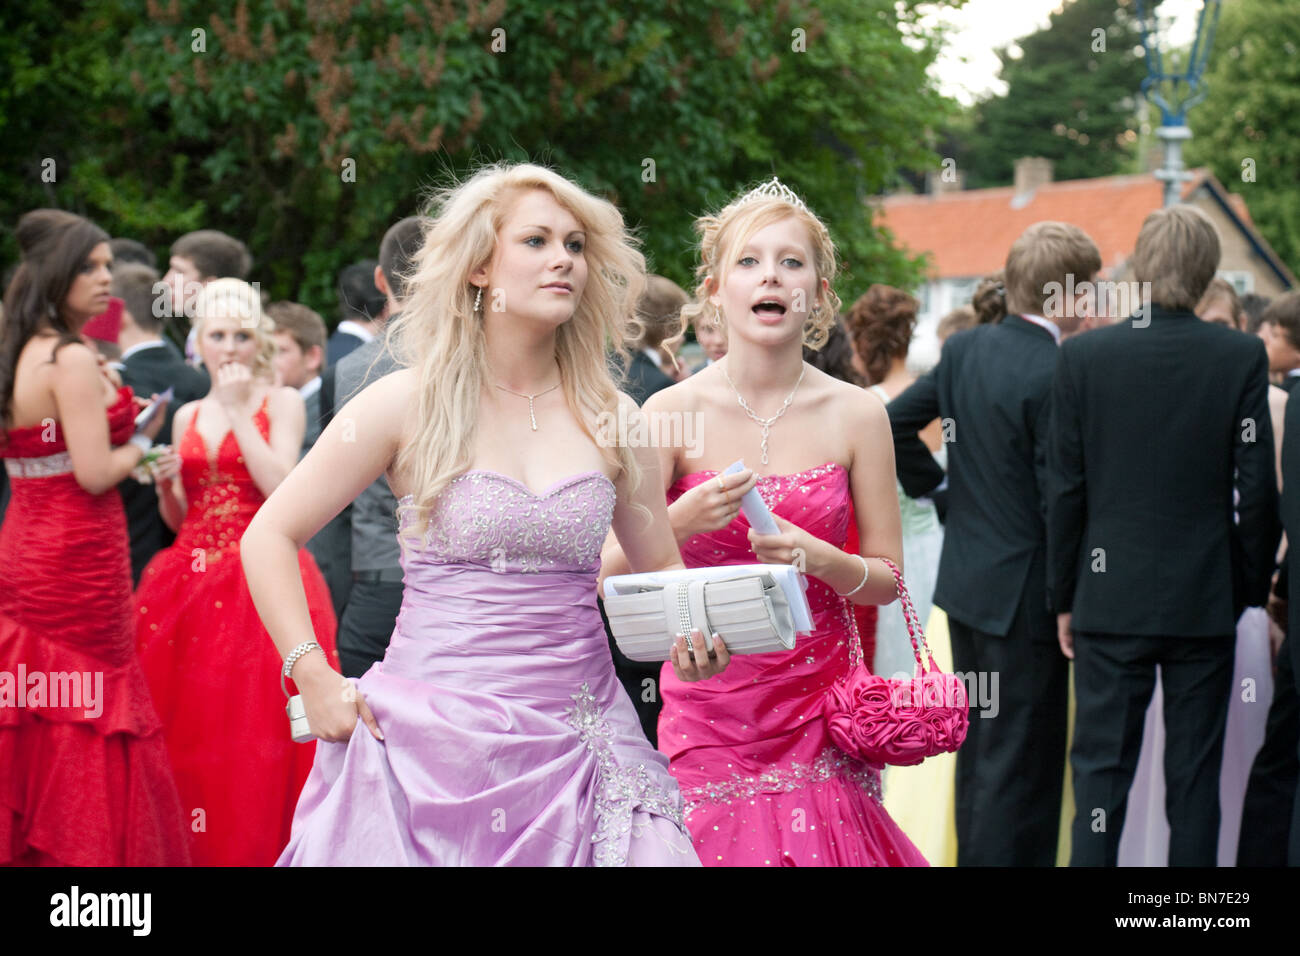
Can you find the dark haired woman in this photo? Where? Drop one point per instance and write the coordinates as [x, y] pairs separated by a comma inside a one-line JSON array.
[[920, 799], [880, 326], [86, 778]]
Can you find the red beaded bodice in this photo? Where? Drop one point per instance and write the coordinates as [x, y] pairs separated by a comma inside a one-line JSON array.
[[221, 495]]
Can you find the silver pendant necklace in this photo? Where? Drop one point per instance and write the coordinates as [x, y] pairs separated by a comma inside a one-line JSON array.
[[765, 423], [531, 417]]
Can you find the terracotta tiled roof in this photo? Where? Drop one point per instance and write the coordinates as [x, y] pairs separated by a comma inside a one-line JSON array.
[[968, 233]]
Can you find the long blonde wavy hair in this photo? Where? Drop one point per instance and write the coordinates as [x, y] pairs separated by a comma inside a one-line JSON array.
[[438, 335], [724, 233]]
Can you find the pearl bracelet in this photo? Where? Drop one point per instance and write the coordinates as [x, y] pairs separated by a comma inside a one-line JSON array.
[[305, 647], [866, 572]]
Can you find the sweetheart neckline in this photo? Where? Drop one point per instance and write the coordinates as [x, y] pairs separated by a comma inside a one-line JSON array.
[[540, 495], [795, 474]]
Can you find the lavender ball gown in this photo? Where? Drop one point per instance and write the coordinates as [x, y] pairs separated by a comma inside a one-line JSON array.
[[508, 739]]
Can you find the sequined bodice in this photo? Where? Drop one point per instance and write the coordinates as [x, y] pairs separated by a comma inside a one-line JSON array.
[[489, 519], [221, 495]]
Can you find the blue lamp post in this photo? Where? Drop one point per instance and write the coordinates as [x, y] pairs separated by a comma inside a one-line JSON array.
[[1184, 89]]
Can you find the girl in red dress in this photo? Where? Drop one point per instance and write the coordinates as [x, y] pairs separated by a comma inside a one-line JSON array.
[[84, 774], [213, 669]]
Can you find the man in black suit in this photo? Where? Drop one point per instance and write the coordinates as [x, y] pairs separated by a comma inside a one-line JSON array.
[[991, 390], [150, 364], [362, 307], [1148, 564]]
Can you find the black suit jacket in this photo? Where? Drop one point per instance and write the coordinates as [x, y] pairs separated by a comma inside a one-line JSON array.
[[644, 378], [1290, 592], [148, 371], [991, 388], [1150, 424], [339, 344]]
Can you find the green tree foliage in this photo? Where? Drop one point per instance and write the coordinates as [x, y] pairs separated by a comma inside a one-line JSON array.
[[306, 127], [1247, 131], [1070, 97]]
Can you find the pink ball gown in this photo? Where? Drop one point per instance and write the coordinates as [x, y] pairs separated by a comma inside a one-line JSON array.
[[508, 740], [764, 785]]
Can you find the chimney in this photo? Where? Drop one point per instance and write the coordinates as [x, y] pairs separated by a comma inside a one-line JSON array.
[[1032, 172], [945, 181]]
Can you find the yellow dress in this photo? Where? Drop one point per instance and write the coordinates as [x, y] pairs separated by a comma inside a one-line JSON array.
[[921, 799]]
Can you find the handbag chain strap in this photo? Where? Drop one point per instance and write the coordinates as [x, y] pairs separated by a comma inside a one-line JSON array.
[[914, 631]]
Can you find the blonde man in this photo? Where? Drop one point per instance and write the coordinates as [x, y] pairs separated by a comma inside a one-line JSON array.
[[991, 388], [1152, 419]]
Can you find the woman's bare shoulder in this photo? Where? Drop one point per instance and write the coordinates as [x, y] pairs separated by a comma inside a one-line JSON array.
[[283, 398]]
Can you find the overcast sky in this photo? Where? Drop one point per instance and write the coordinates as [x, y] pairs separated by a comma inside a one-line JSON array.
[[984, 25]]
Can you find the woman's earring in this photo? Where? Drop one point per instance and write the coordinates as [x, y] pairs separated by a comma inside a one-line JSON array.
[[717, 317], [478, 301]]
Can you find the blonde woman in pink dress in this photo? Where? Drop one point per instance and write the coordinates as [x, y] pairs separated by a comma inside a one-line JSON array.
[[762, 781]]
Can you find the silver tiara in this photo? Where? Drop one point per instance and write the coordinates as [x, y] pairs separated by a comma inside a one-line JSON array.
[[773, 189]]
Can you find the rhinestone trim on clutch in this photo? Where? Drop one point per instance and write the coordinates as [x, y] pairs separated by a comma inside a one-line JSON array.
[[684, 612], [831, 762], [619, 790], [47, 466]]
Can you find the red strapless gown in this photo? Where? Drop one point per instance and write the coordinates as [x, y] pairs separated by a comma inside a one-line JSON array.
[[763, 782], [214, 671], [84, 774]]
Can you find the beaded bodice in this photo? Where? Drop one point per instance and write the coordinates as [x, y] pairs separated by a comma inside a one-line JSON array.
[[220, 493], [489, 519]]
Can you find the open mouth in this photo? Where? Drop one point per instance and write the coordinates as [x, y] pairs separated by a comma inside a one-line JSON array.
[[770, 307]]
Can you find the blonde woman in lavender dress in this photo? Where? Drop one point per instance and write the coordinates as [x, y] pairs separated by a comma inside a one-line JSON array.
[[494, 731]]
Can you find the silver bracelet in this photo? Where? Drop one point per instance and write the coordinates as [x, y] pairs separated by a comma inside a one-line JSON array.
[[304, 648], [866, 572]]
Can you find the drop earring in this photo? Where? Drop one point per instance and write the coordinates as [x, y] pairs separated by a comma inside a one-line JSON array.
[[478, 301]]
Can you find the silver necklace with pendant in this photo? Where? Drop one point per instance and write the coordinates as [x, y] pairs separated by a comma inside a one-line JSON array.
[[765, 423], [532, 418]]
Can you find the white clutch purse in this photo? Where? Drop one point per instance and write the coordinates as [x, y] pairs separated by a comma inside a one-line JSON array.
[[755, 609]]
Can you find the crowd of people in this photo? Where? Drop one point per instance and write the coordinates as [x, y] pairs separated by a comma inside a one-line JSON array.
[[214, 504]]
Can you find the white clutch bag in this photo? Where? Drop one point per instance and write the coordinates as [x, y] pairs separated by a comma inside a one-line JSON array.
[[755, 609]]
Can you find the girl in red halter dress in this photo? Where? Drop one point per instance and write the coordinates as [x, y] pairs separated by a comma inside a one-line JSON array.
[[84, 774], [211, 666]]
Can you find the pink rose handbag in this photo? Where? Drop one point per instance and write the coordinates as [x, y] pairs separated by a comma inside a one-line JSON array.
[[897, 722]]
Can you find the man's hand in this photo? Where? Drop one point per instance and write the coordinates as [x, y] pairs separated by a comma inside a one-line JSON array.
[[1065, 634]]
